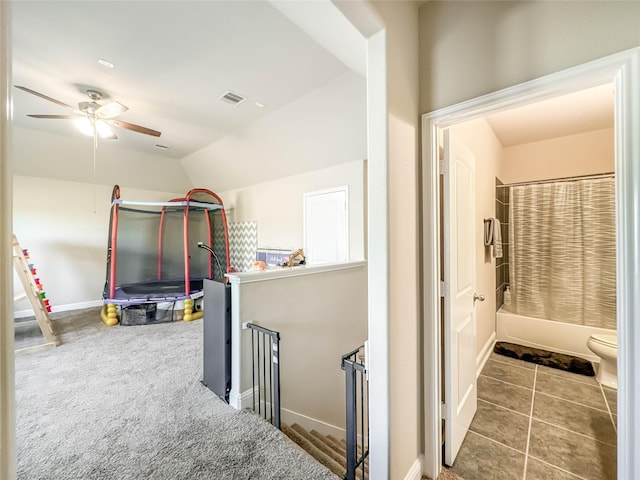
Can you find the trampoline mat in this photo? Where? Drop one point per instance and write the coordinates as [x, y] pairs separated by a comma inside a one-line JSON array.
[[156, 289]]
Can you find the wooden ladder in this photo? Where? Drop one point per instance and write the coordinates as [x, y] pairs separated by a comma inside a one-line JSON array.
[[33, 292]]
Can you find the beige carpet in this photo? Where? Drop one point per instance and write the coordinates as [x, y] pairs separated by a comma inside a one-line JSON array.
[[127, 403], [446, 474]]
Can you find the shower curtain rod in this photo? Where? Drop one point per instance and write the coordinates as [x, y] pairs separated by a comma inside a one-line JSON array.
[[564, 179]]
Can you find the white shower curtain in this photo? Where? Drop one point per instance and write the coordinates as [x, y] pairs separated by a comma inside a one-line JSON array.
[[562, 252]]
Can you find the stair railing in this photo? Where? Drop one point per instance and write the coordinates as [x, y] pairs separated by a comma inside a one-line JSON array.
[[357, 413], [265, 372]]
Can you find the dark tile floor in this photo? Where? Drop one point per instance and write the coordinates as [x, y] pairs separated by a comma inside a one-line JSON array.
[[539, 423]]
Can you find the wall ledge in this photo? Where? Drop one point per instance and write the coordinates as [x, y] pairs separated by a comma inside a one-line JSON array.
[[277, 273]]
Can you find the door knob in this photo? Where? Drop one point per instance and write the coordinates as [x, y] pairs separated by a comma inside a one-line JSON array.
[[478, 297]]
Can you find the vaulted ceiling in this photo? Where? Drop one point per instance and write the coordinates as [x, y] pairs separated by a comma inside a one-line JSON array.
[[172, 61]]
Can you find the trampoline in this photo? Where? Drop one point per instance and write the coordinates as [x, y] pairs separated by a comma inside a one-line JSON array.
[[158, 255]]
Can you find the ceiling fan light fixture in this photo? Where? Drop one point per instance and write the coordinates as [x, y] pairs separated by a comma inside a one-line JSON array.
[[104, 129], [84, 125]]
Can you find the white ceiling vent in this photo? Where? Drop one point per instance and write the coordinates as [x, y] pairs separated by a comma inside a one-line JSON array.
[[232, 98]]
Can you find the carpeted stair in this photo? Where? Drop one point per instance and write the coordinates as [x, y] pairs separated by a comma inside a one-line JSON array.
[[328, 450]]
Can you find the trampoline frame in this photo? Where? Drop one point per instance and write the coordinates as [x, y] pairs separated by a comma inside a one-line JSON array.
[[188, 203]]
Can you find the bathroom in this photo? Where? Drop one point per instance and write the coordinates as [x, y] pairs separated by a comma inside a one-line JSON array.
[[558, 147]]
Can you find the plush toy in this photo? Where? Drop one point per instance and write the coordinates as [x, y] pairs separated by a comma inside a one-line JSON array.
[[259, 265]]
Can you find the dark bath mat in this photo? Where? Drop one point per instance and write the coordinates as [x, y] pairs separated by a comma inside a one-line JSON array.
[[546, 358]]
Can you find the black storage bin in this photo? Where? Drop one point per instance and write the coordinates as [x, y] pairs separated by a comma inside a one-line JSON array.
[[138, 314]]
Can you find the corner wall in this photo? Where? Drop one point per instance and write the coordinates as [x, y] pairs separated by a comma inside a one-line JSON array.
[[277, 206], [401, 20]]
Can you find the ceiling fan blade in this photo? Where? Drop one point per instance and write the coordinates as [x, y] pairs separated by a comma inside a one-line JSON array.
[[111, 109], [72, 117], [109, 136], [136, 128], [41, 95]]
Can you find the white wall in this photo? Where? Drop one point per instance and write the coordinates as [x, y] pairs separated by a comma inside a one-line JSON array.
[[480, 139], [574, 155], [277, 205], [39, 154], [323, 128], [66, 238]]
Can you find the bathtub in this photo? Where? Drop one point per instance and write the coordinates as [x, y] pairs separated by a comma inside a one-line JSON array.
[[546, 334]]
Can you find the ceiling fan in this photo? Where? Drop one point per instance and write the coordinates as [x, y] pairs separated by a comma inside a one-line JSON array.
[[92, 118]]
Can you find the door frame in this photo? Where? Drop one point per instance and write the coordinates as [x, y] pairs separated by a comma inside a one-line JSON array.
[[622, 69]]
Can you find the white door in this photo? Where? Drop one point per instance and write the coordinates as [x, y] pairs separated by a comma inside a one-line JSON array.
[[459, 289], [326, 226]]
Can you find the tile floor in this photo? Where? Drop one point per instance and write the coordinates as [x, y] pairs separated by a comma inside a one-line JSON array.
[[539, 423]]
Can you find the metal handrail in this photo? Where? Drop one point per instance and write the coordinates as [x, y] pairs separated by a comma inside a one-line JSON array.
[[260, 335], [356, 380]]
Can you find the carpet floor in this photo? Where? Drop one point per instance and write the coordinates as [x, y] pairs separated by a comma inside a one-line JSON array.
[[127, 403]]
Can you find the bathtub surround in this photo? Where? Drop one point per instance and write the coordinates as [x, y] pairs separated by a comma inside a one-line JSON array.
[[538, 356], [502, 263]]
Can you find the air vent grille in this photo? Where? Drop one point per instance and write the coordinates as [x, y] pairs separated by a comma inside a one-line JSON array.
[[232, 98]]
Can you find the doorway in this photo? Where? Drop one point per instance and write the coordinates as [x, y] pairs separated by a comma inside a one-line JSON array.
[[522, 409], [610, 69]]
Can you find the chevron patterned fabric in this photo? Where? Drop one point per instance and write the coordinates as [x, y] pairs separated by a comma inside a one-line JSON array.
[[563, 251], [243, 244]]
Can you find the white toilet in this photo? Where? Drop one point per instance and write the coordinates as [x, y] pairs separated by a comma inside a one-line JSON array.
[[605, 347]]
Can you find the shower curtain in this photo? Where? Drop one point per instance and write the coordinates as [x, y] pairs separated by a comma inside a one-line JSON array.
[[562, 251]]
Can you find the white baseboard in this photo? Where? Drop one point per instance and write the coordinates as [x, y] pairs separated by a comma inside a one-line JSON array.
[[485, 353], [242, 401], [60, 308], [415, 472], [290, 417], [245, 400]]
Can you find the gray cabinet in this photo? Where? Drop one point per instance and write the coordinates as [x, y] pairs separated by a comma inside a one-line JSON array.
[[216, 369]]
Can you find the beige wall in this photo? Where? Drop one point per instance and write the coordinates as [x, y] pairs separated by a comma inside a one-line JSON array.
[[583, 154], [480, 139], [401, 19], [277, 205], [39, 154], [66, 237], [320, 317], [468, 49], [7, 377]]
